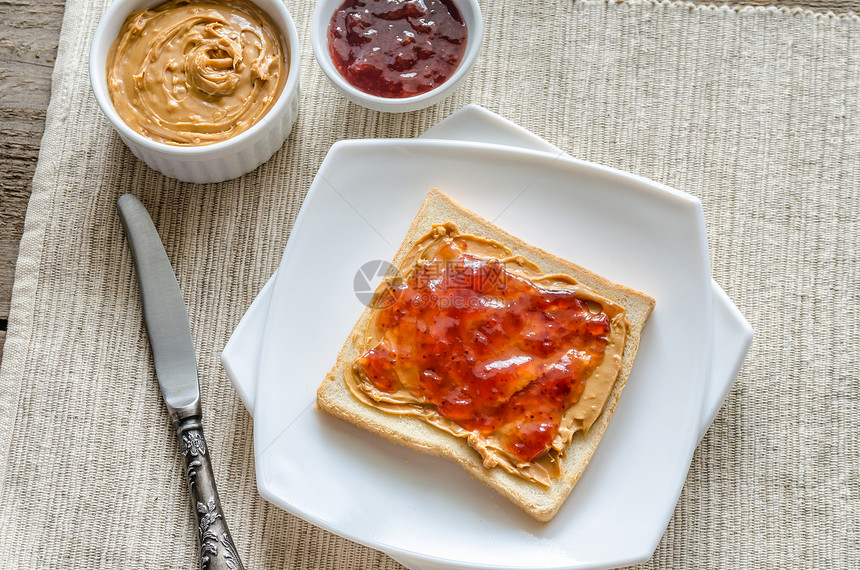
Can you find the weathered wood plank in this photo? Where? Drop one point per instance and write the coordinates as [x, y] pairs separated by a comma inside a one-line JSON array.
[[28, 44]]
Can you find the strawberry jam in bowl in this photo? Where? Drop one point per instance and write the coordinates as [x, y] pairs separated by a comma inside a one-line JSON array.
[[397, 49], [396, 55]]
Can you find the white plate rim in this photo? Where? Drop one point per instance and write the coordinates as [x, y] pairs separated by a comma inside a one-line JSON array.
[[732, 332]]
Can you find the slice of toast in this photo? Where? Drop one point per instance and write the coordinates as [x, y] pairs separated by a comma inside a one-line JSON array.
[[540, 501]]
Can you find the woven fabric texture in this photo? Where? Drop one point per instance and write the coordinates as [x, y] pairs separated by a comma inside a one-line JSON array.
[[756, 111]]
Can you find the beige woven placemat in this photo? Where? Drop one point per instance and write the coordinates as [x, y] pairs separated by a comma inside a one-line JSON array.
[[755, 111]]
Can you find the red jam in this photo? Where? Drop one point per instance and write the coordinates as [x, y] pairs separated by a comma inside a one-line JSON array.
[[397, 48], [490, 350]]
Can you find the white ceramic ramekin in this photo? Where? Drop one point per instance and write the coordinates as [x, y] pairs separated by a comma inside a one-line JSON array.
[[206, 163], [323, 13]]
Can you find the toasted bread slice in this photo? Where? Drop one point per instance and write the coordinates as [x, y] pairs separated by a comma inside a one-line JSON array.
[[539, 501]]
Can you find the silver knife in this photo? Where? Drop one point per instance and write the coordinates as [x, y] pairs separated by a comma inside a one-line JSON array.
[[176, 367]]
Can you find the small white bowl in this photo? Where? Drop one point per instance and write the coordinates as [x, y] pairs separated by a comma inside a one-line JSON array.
[[323, 13], [206, 163]]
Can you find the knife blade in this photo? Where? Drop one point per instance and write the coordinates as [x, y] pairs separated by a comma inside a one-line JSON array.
[[175, 362], [163, 310]]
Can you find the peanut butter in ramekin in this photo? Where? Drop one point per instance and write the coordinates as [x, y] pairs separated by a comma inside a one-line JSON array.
[[196, 73]]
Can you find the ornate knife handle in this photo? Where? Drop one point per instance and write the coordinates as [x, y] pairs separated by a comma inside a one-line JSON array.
[[216, 545]]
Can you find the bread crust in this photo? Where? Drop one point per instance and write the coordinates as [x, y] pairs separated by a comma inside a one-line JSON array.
[[539, 501]]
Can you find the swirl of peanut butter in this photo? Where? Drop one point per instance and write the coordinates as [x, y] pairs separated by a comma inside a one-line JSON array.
[[578, 417], [196, 73]]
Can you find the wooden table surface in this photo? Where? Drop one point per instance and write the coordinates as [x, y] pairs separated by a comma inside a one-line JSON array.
[[29, 32]]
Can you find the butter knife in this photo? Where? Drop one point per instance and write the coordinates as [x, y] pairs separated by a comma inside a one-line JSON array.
[[176, 367]]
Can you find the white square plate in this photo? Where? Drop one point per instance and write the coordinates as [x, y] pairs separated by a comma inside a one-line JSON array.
[[425, 509]]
